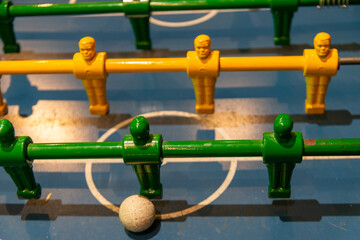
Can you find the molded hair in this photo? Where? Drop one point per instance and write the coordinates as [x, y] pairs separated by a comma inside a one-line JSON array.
[[87, 40], [202, 38], [321, 37]]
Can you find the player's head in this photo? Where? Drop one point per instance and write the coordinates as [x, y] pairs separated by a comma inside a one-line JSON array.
[[87, 48], [7, 131], [202, 45], [322, 43]]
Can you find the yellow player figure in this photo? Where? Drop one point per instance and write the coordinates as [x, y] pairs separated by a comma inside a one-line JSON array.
[[320, 64], [89, 66], [3, 106], [203, 67]]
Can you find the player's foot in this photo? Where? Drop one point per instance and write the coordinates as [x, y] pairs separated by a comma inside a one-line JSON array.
[[205, 108], [314, 108], [99, 109], [282, 41], [279, 192], [3, 109]]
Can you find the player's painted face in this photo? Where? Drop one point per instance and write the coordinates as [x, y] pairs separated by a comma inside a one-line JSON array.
[[87, 51], [202, 49], [322, 48]]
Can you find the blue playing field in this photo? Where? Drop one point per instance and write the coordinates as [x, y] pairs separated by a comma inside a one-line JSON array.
[[232, 193]]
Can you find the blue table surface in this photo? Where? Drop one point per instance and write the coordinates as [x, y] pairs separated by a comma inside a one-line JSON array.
[[325, 201]]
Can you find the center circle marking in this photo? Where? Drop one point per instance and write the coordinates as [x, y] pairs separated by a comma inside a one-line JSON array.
[[98, 196]]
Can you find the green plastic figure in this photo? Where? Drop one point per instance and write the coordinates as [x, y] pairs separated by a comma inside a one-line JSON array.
[[142, 150], [7, 29], [283, 12], [281, 151], [138, 13], [16, 164]]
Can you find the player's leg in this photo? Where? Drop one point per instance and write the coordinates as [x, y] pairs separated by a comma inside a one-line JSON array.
[[102, 104], [89, 88], [312, 94], [209, 94], [323, 86], [199, 89]]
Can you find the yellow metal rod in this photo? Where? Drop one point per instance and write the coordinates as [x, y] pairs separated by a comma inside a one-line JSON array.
[[291, 63], [36, 66], [154, 65], [146, 65]]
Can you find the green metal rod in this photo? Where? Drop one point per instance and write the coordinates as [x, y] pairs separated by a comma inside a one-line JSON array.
[[214, 148], [165, 5], [65, 9], [173, 149], [331, 147], [155, 5], [74, 150]]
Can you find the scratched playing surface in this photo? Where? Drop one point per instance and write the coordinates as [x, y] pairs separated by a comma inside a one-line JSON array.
[[325, 201]]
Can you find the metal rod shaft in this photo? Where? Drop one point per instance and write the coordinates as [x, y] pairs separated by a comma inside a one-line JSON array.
[[64, 9], [173, 149], [214, 148], [74, 150], [349, 61], [331, 147]]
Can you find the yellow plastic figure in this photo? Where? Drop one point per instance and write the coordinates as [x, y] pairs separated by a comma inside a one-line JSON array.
[[203, 67], [89, 66], [320, 64], [3, 105]]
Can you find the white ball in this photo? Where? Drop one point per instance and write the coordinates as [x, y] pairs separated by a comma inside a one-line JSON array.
[[137, 213]]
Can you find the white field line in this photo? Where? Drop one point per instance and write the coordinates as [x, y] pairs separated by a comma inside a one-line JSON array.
[[185, 12]]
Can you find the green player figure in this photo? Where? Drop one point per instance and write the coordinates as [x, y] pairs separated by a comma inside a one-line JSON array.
[[142, 150], [282, 150], [15, 163], [282, 13]]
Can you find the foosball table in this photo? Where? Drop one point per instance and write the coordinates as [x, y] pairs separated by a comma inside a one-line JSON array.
[[255, 155]]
